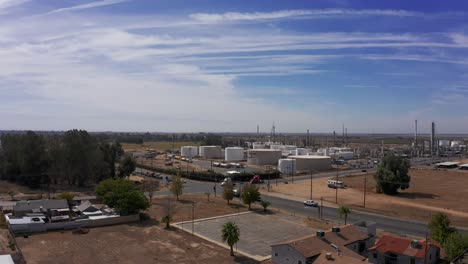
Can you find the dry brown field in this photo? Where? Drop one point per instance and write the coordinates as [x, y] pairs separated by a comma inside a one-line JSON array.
[[430, 191]]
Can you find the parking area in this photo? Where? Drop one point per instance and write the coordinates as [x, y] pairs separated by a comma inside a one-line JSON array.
[[257, 231]]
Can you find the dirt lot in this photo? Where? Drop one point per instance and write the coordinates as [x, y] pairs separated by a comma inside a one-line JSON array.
[[138, 243], [182, 210], [431, 191], [123, 244]]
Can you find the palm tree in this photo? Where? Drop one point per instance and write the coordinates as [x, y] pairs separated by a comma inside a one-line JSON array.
[[230, 234], [344, 210]]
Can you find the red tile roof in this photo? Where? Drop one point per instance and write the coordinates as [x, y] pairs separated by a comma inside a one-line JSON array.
[[402, 245]]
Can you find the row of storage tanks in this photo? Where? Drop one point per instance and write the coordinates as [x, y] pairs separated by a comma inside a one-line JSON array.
[[300, 161], [213, 152]]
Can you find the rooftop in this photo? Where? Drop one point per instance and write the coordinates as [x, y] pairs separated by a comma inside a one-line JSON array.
[[36, 204], [309, 157], [311, 246], [402, 245]]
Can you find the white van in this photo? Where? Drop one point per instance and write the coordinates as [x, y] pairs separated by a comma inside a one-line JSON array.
[[335, 184]]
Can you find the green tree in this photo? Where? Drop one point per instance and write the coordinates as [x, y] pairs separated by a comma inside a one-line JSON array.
[[80, 151], [392, 175], [127, 166], [177, 186], [230, 234], [33, 159], [250, 194], [12, 195], [455, 244], [112, 152], [228, 192], [122, 195], [440, 227], [344, 211], [265, 205], [167, 220], [67, 196]]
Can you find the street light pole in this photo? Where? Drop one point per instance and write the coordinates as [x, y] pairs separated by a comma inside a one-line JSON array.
[[336, 184], [365, 190], [311, 185]]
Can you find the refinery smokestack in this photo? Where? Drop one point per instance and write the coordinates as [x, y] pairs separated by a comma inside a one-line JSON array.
[[334, 138], [416, 137], [308, 138], [433, 142]]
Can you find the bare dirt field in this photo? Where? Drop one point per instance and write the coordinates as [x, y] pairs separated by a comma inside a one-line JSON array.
[[202, 208], [147, 242], [430, 191], [124, 244]]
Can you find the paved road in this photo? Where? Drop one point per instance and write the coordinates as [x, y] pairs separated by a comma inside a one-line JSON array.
[[391, 224]]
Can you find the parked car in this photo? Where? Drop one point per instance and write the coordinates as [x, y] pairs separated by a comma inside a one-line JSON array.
[[256, 179], [227, 179], [216, 164], [310, 203], [236, 193]]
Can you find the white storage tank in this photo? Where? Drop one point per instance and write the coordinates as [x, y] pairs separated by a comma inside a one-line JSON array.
[[312, 163], [258, 145], [289, 147], [263, 156], [346, 155], [276, 146], [287, 166], [234, 154], [444, 143], [189, 151], [456, 144], [211, 152], [301, 151]]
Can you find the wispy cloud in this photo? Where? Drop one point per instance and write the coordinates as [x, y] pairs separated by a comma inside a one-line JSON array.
[[85, 6], [300, 13], [6, 4]]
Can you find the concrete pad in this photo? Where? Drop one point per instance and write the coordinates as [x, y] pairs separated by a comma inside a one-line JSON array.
[[257, 231]]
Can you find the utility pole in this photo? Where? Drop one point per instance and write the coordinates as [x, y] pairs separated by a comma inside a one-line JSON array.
[[321, 207], [193, 216], [336, 186], [425, 250], [365, 190], [311, 185]]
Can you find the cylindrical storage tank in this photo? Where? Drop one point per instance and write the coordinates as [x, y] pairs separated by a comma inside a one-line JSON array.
[[347, 155], [275, 146], [312, 163], [211, 152], [444, 143], [301, 151], [258, 145], [263, 156], [234, 154], [456, 144], [287, 166], [289, 147], [189, 151]]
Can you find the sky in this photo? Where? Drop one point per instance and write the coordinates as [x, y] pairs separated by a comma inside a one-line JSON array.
[[228, 66]]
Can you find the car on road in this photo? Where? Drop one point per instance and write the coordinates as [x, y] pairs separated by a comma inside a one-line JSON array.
[[256, 179], [216, 164], [236, 193], [227, 179], [310, 203]]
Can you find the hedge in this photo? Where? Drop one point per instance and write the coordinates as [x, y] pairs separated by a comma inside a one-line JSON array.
[[210, 176]]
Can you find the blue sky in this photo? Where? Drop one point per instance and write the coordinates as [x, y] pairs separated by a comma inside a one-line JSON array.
[[141, 65]]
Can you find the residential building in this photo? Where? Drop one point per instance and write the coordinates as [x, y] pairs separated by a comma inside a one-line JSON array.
[[392, 249], [53, 207], [350, 241]]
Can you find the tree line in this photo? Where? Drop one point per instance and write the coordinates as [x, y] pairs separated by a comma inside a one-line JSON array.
[[71, 158]]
